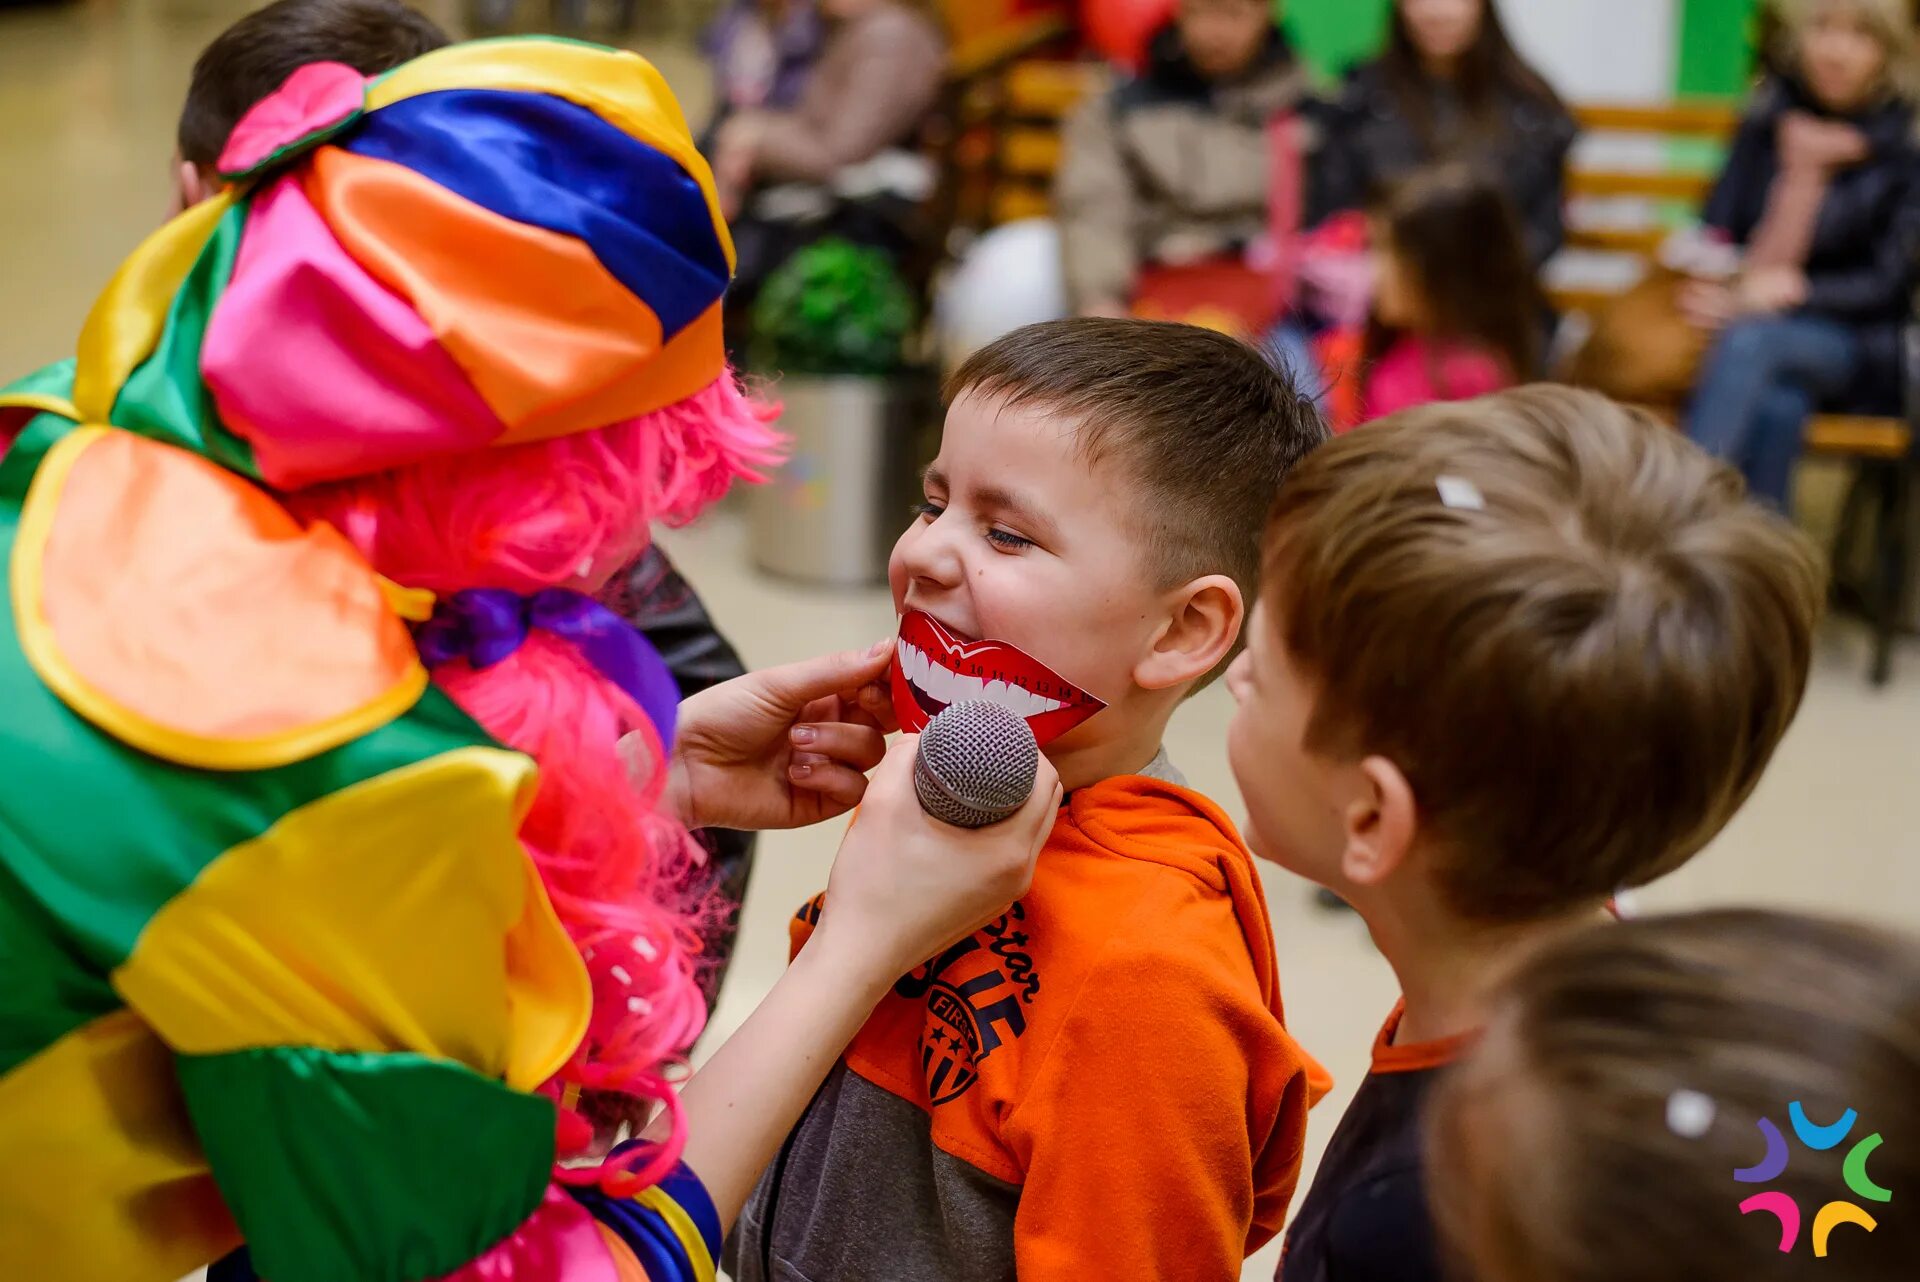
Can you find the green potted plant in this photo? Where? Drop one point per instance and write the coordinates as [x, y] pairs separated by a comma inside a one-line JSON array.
[[832, 326]]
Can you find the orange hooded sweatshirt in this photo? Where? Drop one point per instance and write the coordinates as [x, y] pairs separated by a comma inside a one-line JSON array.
[[1098, 1085]]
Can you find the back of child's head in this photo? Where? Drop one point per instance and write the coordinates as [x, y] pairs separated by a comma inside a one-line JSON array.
[[1564, 624], [1458, 265], [1645, 1090], [1202, 429], [254, 57]]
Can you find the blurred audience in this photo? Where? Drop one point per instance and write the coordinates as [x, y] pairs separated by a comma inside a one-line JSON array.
[[761, 52], [1456, 309], [1177, 188], [1450, 87], [841, 160], [1821, 193]]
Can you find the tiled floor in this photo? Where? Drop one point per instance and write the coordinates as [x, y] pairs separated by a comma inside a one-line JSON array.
[[87, 97]]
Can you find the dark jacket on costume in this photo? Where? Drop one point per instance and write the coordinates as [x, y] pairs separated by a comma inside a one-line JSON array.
[[1374, 139], [1861, 268]]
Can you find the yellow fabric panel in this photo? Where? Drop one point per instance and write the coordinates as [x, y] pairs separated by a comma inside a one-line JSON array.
[[677, 1219], [117, 527], [126, 322], [399, 914], [41, 402], [622, 88], [100, 1177]]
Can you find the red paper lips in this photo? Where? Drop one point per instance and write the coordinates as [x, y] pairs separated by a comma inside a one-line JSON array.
[[933, 668]]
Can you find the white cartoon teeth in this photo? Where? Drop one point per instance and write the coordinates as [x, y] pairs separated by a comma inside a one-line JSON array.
[[945, 686]]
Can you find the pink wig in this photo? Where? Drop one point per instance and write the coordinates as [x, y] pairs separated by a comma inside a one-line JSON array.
[[569, 512]]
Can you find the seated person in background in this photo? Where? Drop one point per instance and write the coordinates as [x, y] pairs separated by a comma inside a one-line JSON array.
[[1456, 310], [245, 64], [1101, 1084], [1169, 181], [1475, 619], [1450, 86], [1822, 192], [1727, 1094], [839, 161], [761, 52]]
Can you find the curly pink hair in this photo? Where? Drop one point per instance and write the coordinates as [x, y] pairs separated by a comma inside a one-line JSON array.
[[569, 512]]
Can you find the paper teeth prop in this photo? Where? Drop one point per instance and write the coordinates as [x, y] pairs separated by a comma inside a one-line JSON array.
[[933, 668]]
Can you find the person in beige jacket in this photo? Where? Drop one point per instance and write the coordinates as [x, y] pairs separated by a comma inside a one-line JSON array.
[[1175, 166], [877, 78]]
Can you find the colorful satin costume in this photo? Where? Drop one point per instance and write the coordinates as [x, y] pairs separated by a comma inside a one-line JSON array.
[[277, 967]]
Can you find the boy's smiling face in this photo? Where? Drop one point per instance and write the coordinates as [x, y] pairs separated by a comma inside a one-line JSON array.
[[1024, 539]]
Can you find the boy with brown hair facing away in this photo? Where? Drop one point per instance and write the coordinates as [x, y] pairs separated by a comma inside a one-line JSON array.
[[1101, 1083], [1511, 655], [254, 57], [1727, 1094]]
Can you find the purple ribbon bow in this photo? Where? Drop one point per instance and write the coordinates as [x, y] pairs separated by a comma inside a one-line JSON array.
[[485, 625]]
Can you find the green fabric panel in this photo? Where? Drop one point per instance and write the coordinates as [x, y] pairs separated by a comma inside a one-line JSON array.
[[49, 380], [48, 989], [1715, 48], [378, 1168], [1334, 35], [97, 835], [165, 398]]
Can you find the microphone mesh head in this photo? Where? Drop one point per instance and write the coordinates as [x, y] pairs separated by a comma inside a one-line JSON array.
[[976, 765]]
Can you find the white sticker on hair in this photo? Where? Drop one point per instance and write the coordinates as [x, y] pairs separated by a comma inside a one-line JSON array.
[[1458, 492], [1690, 1114]]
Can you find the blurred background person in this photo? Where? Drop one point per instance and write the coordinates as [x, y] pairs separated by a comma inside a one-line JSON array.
[[1175, 186], [1456, 308], [1820, 193], [1450, 86], [760, 53], [841, 161]]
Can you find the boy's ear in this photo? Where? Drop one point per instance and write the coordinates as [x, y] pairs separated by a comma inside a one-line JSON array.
[[1203, 622], [191, 185], [1381, 819]]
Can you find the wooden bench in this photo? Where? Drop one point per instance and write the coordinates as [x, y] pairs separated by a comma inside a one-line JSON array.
[[1609, 206], [1012, 178]]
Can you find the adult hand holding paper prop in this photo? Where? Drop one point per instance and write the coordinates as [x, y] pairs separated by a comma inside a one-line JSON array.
[[932, 668]]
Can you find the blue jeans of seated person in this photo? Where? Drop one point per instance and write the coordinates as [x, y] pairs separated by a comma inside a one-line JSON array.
[[1761, 382]]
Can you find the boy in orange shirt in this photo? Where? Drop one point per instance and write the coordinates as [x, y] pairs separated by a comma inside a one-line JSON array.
[[1101, 1083], [1511, 655]]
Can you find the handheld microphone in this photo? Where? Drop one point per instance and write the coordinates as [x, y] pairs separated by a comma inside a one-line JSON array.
[[976, 764]]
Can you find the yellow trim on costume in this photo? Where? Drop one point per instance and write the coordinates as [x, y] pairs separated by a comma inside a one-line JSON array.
[[45, 402], [684, 1228], [415, 605], [42, 649], [398, 914], [126, 322], [103, 1179], [622, 88]]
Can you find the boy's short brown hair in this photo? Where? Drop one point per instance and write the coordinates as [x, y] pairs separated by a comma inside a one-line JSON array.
[[254, 57], [1204, 425], [1627, 1070], [1562, 621]]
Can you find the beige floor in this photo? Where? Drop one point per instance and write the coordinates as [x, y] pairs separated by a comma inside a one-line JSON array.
[[87, 96]]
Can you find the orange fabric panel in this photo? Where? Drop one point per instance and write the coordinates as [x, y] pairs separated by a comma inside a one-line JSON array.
[[1115, 1047], [552, 341], [625, 1267], [184, 610]]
